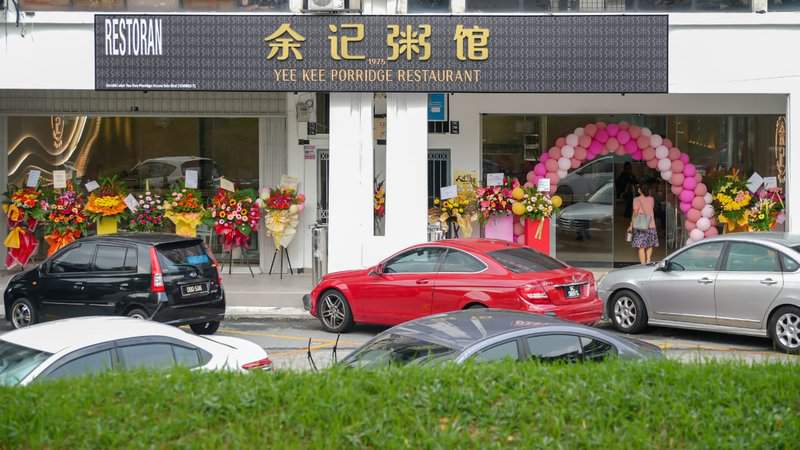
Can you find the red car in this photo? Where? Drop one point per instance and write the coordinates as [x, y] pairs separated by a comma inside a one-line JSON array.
[[451, 275]]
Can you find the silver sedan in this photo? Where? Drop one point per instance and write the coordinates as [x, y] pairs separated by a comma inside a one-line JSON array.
[[740, 283]]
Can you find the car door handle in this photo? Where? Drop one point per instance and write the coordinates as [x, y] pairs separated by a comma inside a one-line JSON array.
[[123, 286], [423, 281], [768, 281], [705, 280]]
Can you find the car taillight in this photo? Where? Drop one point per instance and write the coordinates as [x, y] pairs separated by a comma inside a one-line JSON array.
[[157, 282], [215, 265], [263, 364], [534, 293]]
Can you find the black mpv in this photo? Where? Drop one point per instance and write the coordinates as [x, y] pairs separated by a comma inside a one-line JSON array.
[[162, 277]]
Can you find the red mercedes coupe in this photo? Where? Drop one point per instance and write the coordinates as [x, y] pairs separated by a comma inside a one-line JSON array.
[[450, 275]]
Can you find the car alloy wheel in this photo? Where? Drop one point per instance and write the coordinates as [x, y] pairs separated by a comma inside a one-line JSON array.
[[332, 311], [21, 315], [625, 311], [787, 330]]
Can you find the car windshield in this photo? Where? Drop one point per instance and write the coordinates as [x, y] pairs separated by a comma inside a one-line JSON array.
[[394, 349], [523, 260], [16, 362], [183, 254]]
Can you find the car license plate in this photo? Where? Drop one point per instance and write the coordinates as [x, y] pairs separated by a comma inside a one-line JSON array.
[[194, 289], [573, 291]]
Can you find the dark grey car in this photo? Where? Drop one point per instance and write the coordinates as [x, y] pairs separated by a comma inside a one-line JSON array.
[[491, 335]]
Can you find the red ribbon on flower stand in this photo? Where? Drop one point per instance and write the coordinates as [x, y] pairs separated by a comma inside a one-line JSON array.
[[537, 235]]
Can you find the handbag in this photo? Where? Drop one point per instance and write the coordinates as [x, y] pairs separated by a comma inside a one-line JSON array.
[[641, 221]]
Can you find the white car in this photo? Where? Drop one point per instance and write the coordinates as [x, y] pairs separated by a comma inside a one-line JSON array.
[[91, 345]]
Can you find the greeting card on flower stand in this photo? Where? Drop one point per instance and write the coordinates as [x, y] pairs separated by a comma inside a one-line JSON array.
[[500, 226]]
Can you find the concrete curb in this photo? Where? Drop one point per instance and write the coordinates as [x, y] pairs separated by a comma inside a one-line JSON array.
[[255, 312], [266, 312]]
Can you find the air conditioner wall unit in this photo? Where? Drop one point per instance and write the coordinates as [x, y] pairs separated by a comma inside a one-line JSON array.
[[326, 5]]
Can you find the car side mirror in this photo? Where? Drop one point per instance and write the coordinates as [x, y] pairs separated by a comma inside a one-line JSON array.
[[377, 270], [663, 266]]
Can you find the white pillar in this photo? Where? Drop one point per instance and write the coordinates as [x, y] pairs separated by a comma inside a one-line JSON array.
[[793, 162], [3, 177], [406, 171], [350, 194]]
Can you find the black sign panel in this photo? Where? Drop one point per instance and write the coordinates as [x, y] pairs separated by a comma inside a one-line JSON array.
[[570, 54]]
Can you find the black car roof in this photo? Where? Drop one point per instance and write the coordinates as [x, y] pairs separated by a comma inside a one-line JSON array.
[[461, 329], [140, 238]]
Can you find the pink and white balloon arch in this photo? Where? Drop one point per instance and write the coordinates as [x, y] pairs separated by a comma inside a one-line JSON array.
[[595, 139]]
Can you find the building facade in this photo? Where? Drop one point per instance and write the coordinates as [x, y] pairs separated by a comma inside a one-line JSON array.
[[101, 88]]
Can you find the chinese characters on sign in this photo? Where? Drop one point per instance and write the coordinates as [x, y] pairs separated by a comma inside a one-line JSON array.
[[406, 42], [412, 53]]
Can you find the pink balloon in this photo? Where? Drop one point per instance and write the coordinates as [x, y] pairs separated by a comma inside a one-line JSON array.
[[698, 177], [544, 157], [560, 142], [700, 189], [643, 142], [575, 163], [674, 153], [601, 125], [596, 147], [635, 132], [677, 166], [624, 125], [518, 228], [631, 147], [689, 184], [612, 144], [677, 179], [532, 175], [590, 129], [602, 136], [623, 137], [653, 163], [620, 151], [649, 154], [698, 203], [553, 177], [531, 184], [667, 143], [689, 170], [553, 187], [585, 141], [554, 152], [676, 189], [685, 207], [686, 196], [539, 169], [684, 158], [689, 225], [590, 156], [693, 215], [612, 129], [580, 153], [711, 232], [637, 156], [551, 165]]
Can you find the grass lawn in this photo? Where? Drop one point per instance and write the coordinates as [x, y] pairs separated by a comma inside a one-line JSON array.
[[615, 405]]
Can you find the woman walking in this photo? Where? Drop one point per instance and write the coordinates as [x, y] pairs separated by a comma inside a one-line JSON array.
[[643, 224]]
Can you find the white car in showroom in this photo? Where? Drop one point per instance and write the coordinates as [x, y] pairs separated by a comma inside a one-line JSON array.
[[91, 345]]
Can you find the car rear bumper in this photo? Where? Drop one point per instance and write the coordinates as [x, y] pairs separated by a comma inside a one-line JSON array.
[[188, 313], [307, 302], [586, 312]]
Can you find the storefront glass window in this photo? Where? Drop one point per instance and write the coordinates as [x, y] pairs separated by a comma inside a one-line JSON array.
[[591, 226], [144, 152], [784, 5], [428, 6]]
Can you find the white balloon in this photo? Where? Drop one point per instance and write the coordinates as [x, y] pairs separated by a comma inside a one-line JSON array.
[[662, 152], [696, 235], [567, 151], [579, 131], [707, 212], [564, 164], [656, 140], [703, 224], [666, 174], [708, 198], [561, 173], [646, 132], [689, 241], [572, 139], [665, 165]]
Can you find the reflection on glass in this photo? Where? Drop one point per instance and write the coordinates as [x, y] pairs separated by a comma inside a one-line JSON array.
[[609, 5], [784, 5], [156, 5]]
